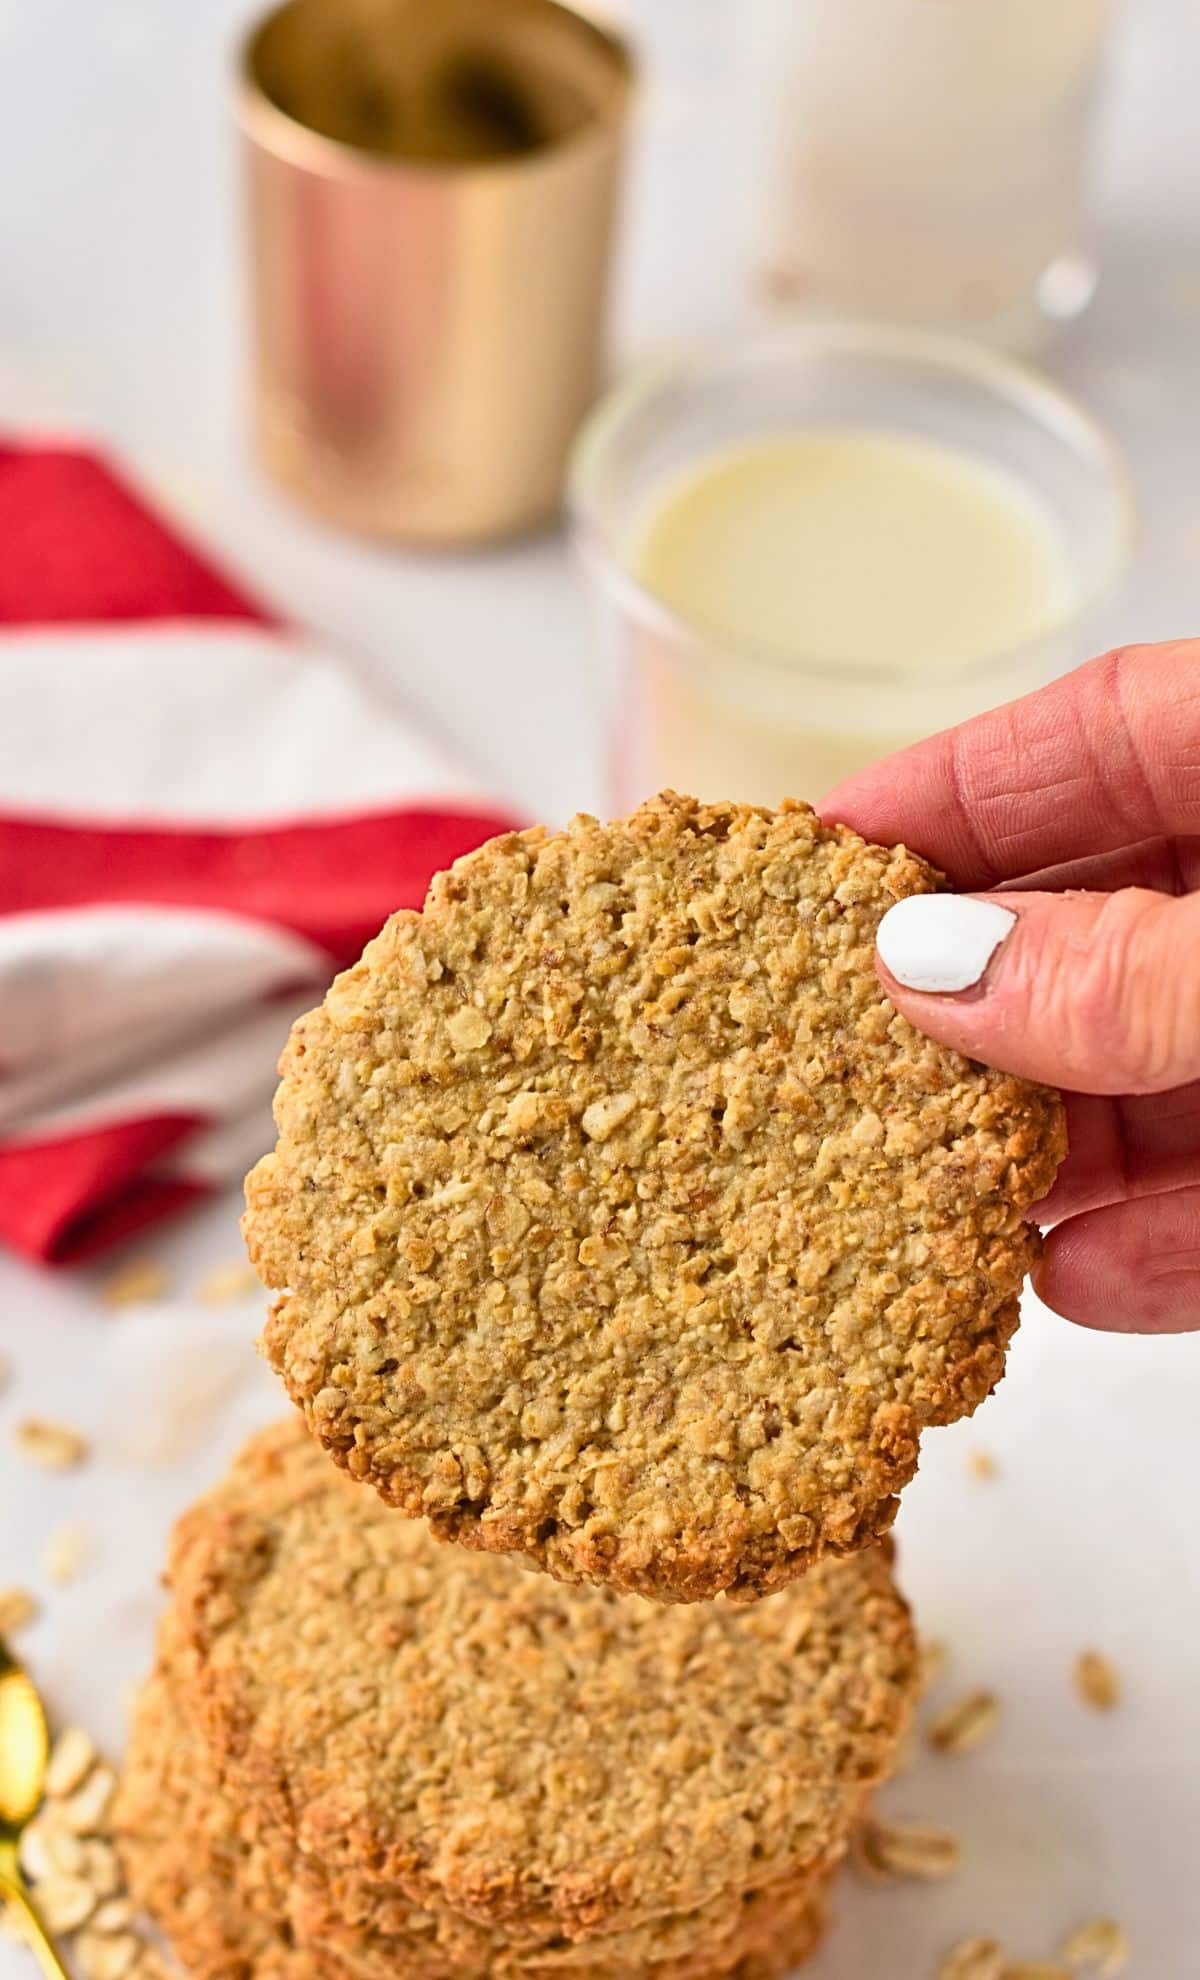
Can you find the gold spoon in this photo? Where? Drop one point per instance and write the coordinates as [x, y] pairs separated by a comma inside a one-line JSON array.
[[24, 1751]]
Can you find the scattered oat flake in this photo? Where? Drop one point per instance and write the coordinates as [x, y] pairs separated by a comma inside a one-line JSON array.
[[1097, 1681], [17, 1608], [65, 1903], [135, 1284], [101, 1869], [932, 1660], [47, 1849], [230, 1282], [897, 1849], [55, 1446], [1101, 1944], [64, 1555], [103, 1957], [982, 1465], [71, 1761], [114, 1915], [974, 1959], [965, 1725], [86, 1809]]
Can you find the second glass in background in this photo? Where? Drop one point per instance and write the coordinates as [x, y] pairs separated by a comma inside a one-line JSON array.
[[927, 159], [726, 712]]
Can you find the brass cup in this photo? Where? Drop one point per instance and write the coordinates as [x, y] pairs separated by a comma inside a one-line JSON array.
[[431, 188]]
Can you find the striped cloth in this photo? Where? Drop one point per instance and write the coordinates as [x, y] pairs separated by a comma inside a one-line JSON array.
[[202, 815]]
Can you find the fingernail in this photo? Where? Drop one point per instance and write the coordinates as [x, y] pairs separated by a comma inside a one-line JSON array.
[[941, 942]]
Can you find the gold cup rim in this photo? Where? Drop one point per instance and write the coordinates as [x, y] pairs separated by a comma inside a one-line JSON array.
[[265, 121]]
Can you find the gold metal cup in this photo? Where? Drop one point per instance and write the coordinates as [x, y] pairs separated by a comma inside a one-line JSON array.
[[432, 188]]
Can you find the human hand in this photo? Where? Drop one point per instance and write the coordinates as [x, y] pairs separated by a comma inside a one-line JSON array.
[[1092, 784]]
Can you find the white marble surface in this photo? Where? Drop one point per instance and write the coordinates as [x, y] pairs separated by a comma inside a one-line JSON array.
[[118, 314]]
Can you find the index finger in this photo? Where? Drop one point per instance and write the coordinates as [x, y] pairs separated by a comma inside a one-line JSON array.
[[1104, 758]]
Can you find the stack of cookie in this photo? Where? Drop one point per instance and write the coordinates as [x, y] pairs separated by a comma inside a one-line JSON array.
[[625, 1227], [364, 1754]]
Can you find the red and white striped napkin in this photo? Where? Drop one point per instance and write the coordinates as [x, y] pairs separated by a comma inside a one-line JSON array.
[[202, 816]]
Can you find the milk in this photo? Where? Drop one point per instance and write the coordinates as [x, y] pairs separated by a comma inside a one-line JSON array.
[[828, 595]]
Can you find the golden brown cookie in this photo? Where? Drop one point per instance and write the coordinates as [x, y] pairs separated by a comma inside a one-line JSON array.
[[620, 1220], [558, 1765], [235, 1908]]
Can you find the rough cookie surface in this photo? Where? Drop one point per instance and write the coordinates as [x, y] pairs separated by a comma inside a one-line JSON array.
[[236, 1906], [622, 1222], [556, 1764]]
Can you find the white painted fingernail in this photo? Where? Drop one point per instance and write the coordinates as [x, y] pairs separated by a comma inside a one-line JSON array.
[[941, 941]]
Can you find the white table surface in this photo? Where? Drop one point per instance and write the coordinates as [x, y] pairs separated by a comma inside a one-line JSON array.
[[118, 315]]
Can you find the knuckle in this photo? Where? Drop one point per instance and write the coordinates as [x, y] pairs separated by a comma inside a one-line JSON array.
[[1130, 1005]]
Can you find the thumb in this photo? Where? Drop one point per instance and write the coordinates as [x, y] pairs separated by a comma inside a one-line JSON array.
[[1098, 993]]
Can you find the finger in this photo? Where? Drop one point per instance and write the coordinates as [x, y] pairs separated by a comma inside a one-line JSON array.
[[1169, 866], [1105, 757], [1097, 993], [1131, 1269], [1122, 1149]]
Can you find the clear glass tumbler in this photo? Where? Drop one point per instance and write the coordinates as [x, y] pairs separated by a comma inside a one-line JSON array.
[[722, 720], [927, 158]]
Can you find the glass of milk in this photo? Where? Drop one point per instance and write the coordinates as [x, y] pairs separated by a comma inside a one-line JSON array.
[[926, 159], [819, 544]]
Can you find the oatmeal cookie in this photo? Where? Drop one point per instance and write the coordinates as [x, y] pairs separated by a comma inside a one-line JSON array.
[[558, 1765], [236, 1906], [620, 1220]]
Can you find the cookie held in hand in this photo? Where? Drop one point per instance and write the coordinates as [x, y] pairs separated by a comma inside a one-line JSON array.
[[623, 1222]]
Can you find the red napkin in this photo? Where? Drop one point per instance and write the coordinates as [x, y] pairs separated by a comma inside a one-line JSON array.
[[202, 816]]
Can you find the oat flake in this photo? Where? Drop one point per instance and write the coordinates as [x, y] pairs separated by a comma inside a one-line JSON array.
[[1097, 1681]]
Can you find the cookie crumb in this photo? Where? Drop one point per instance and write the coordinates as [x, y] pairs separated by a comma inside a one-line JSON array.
[[1097, 1681], [64, 1555], [982, 1465], [54, 1446], [1036, 1969], [1100, 1944], [135, 1284], [907, 1850], [17, 1609], [973, 1959], [228, 1283], [961, 1727]]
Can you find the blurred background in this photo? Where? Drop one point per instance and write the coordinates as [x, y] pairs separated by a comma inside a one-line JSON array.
[[795, 178], [124, 318]]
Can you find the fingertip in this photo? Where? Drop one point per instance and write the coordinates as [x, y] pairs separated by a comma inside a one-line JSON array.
[[1131, 1268]]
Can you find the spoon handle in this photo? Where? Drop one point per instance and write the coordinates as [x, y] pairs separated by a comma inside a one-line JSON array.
[[38, 1939]]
